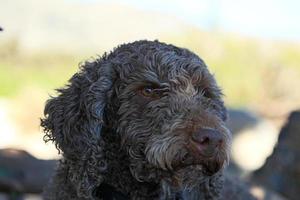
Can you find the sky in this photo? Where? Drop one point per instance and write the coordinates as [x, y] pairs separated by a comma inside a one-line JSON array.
[[274, 19]]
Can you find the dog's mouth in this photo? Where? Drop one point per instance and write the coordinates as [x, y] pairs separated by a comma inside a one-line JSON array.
[[212, 167], [208, 167]]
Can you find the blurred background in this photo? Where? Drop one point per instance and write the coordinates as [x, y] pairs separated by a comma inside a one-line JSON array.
[[252, 47]]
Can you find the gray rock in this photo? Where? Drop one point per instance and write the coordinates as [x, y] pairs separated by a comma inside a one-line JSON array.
[[281, 172]]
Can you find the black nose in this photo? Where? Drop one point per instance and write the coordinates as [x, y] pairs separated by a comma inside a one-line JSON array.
[[208, 141]]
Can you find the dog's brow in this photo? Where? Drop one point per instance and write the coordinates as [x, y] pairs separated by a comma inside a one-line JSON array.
[[152, 79], [158, 84]]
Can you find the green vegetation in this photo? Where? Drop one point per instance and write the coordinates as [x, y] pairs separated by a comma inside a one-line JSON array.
[[248, 70], [46, 70]]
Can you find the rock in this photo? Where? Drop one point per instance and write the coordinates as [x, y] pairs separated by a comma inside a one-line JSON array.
[[235, 189], [281, 171], [20, 172], [249, 130], [239, 120]]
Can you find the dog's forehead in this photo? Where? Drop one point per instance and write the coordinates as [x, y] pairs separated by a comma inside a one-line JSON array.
[[166, 66], [177, 69], [157, 62]]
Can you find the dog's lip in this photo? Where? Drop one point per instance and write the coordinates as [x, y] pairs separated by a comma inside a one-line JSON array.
[[183, 166], [212, 167], [208, 166], [188, 161]]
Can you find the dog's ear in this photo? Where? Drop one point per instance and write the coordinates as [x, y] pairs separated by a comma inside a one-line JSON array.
[[74, 120]]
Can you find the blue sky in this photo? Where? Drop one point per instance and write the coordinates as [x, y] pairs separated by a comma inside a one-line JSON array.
[[274, 19]]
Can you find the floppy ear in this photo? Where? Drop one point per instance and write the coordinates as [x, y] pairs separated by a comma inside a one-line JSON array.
[[74, 119]]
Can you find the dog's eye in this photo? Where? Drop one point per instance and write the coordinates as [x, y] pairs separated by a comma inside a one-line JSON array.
[[148, 91], [205, 92], [151, 91]]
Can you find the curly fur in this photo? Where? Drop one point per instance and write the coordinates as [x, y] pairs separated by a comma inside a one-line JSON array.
[[109, 133]]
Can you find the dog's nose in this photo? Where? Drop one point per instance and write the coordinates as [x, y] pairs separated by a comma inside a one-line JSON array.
[[208, 141]]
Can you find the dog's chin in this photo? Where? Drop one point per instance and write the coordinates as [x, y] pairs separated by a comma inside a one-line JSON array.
[[211, 167], [190, 175], [207, 167]]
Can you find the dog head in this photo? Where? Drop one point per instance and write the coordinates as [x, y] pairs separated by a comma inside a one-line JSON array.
[[159, 99]]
